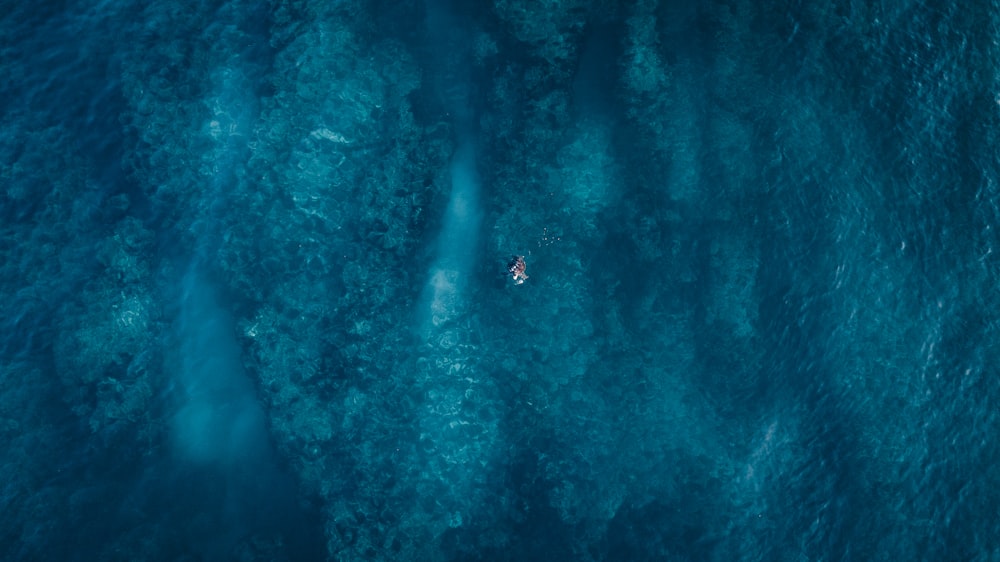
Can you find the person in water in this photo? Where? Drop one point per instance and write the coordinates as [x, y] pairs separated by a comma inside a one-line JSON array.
[[516, 269]]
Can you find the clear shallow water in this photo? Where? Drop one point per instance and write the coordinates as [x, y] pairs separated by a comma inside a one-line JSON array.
[[759, 322]]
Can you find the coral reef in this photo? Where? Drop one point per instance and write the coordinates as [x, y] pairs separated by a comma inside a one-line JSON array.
[[251, 306]]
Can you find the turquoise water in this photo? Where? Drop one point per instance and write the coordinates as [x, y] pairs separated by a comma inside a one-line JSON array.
[[255, 299]]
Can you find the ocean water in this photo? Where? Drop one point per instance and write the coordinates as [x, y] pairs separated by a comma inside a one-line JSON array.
[[255, 303]]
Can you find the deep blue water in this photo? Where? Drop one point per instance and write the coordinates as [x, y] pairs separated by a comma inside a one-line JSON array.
[[255, 302]]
